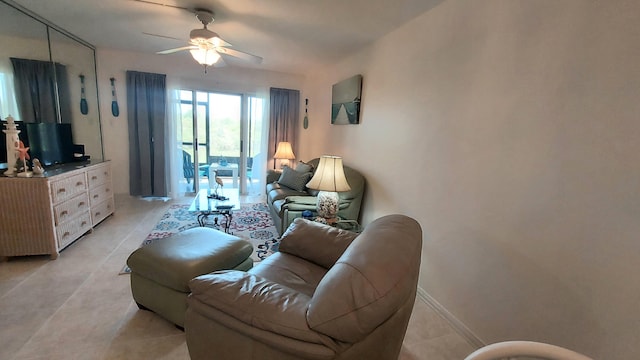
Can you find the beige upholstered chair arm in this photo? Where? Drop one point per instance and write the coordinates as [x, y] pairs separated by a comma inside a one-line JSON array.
[[257, 302]]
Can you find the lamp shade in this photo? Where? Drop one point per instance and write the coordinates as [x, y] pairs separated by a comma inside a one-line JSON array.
[[284, 151], [329, 176], [205, 56]]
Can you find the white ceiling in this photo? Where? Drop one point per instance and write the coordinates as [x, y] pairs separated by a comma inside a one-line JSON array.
[[291, 35]]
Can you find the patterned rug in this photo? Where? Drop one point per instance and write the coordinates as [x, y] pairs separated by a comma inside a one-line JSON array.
[[252, 223]]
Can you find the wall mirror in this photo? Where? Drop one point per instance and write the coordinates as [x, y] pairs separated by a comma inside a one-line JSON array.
[[33, 48]]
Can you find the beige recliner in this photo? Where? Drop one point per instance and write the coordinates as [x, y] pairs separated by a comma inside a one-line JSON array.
[[328, 294]]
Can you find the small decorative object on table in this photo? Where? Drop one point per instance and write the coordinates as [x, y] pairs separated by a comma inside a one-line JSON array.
[[307, 214], [37, 167], [23, 156], [217, 197], [219, 184]]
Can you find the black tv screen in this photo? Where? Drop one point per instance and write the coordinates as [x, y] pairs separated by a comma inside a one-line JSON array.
[[51, 143]]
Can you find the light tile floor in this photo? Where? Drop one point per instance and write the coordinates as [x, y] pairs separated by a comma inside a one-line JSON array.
[[78, 307]]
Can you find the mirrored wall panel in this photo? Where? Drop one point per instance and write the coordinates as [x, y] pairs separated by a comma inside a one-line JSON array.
[[48, 77]]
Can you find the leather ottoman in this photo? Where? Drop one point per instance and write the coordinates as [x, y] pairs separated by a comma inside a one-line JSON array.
[[160, 271]]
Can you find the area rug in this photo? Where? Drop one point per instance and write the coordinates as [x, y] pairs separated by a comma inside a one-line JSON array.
[[252, 223]]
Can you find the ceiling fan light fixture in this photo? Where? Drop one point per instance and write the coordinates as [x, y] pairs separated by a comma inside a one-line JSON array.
[[217, 42], [204, 56]]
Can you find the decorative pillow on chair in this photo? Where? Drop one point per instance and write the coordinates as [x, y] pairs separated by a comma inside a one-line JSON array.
[[294, 179], [303, 167]]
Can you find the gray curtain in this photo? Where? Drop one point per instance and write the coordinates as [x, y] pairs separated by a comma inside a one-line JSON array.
[[146, 111], [35, 83], [284, 113]]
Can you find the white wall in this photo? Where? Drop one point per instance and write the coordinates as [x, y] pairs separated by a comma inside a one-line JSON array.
[[510, 130], [183, 72]]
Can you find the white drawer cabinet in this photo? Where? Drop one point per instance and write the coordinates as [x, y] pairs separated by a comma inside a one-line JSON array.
[[71, 208], [100, 193], [102, 210], [44, 214], [70, 230], [66, 187]]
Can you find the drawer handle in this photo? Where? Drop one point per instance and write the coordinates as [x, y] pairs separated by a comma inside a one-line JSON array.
[[106, 173], [81, 203], [66, 233], [79, 183], [97, 213], [107, 190], [96, 196], [61, 190], [94, 177], [83, 223], [63, 213]]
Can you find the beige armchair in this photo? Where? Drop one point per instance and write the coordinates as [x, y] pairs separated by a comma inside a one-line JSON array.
[[328, 294]]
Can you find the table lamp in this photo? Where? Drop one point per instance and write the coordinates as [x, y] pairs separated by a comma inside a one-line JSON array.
[[284, 153], [329, 179]]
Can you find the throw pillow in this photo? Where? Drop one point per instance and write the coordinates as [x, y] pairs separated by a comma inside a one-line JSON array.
[[303, 167], [294, 179]]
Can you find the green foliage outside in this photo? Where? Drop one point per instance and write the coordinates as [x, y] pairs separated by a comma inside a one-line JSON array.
[[224, 127]]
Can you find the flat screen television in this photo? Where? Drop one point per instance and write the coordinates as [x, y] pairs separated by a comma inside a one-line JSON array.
[[51, 143]]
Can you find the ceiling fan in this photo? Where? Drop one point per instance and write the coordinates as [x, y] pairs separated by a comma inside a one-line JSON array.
[[206, 46]]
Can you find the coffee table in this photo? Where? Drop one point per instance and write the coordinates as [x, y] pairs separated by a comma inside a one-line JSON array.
[[205, 206]]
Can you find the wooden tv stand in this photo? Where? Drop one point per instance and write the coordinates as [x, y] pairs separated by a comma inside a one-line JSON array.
[[43, 214]]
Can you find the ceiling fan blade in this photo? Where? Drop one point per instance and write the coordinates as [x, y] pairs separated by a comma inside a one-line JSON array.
[[219, 42], [240, 54], [161, 4], [162, 36], [171, 51]]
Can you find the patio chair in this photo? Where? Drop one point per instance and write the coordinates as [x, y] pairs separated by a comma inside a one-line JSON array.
[[187, 166]]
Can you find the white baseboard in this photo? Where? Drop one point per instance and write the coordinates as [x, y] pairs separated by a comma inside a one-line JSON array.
[[457, 325]]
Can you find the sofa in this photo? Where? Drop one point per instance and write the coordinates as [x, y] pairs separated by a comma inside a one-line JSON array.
[[327, 294], [288, 197]]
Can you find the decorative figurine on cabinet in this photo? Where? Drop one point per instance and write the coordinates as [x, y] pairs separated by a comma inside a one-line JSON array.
[[23, 155], [36, 167], [11, 132]]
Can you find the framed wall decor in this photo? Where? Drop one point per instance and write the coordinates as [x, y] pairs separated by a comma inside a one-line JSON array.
[[346, 100]]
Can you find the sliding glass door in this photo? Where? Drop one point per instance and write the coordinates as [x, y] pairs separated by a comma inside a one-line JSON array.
[[214, 138]]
